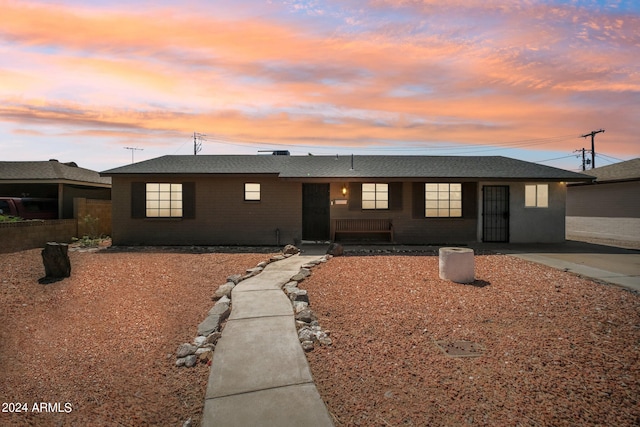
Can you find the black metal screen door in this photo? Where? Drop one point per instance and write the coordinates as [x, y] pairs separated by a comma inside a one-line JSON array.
[[495, 213], [315, 211]]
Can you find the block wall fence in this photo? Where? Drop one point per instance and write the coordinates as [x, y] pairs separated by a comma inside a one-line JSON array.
[[18, 236]]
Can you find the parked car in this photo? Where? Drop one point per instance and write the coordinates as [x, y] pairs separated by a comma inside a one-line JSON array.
[[29, 207]]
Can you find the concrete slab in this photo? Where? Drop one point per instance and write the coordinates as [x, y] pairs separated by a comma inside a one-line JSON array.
[[268, 279], [291, 406], [561, 262], [291, 264], [257, 354], [272, 302]]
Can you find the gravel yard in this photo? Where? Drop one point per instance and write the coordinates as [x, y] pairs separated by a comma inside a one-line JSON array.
[[559, 350], [104, 340]]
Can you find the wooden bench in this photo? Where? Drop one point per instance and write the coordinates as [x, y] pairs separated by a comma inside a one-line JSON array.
[[362, 225]]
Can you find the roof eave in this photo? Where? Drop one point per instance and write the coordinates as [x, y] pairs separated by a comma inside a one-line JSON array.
[[54, 181]]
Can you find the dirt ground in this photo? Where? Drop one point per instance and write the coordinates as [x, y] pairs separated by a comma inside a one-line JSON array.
[[559, 350], [98, 348]]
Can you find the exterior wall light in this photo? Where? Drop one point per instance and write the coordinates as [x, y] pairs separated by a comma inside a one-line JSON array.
[[344, 190]]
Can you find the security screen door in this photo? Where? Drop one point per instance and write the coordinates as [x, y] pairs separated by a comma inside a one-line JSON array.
[[495, 213]]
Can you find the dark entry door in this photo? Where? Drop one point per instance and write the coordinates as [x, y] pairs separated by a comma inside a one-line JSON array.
[[315, 211], [495, 213]]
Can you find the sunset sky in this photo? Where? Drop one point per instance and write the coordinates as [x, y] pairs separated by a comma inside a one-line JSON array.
[[81, 80]]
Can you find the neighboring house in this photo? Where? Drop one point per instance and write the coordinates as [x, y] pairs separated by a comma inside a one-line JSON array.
[[273, 200], [607, 208], [54, 180]]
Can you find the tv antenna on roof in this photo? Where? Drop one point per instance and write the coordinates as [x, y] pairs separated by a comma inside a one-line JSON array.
[[132, 151]]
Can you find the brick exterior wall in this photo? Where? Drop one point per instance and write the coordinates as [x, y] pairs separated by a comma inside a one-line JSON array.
[[407, 228], [100, 209], [222, 216], [17, 236]]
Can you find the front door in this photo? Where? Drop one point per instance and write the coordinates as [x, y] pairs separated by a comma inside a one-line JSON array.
[[315, 212], [495, 213]]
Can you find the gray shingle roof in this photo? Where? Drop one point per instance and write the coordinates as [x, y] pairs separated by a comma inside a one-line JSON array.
[[51, 171], [204, 164], [629, 169], [483, 167]]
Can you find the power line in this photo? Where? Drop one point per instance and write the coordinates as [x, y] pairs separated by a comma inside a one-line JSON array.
[[557, 158], [226, 140], [611, 157], [607, 160]]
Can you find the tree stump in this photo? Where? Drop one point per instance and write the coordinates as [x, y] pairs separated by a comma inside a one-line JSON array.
[[57, 265]]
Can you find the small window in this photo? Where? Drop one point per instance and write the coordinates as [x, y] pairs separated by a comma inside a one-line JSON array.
[[443, 200], [252, 191], [163, 200], [375, 196], [536, 196]]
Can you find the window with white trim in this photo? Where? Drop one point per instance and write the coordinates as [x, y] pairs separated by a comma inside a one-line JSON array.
[[252, 192], [375, 196], [536, 195], [443, 200], [163, 200]]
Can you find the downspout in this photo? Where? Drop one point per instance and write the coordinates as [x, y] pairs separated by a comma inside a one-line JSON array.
[[60, 199]]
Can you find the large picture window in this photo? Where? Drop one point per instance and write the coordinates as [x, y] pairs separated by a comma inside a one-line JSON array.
[[443, 200], [163, 200], [375, 196], [536, 196]]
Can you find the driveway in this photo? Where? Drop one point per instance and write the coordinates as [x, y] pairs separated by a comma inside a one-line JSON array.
[[611, 264]]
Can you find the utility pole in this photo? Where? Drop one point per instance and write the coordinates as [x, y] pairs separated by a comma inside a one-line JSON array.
[[584, 161], [593, 148], [197, 144], [132, 150]]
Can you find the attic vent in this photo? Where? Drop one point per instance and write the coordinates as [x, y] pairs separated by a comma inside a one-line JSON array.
[[276, 152]]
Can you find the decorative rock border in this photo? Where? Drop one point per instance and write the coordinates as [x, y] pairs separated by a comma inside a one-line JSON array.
[[209, 330], [310, 333]]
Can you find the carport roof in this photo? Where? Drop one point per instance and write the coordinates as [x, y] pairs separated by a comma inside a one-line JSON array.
[[50, 171], [352, 167]]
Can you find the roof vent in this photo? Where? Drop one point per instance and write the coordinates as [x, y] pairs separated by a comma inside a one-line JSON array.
[[276, 152]]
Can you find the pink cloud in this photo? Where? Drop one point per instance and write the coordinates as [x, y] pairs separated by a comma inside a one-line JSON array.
[[476, 74]]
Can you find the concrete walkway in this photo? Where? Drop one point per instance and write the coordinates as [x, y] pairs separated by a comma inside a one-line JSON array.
[[260, 375]]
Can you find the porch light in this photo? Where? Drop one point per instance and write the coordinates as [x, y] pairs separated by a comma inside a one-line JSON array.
[[344, 190]]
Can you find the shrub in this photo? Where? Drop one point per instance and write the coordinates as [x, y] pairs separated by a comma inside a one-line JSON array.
[[91, 238]]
